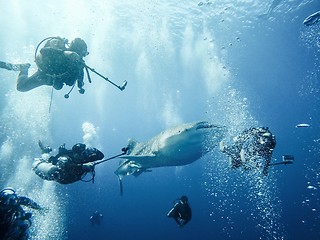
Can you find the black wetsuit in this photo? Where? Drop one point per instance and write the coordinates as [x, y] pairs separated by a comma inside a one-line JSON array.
[[14, 221]]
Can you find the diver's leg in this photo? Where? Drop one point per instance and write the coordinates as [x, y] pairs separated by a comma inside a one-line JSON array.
[[178, 220], [25, 83], [171, 213], [175, 215]]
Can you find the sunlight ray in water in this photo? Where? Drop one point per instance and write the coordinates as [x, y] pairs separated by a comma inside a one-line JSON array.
[[24, 124]]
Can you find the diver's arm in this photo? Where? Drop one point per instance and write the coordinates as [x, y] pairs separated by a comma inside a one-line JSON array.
[[28, 203], [92, 154], [97, 154], [77, 60]]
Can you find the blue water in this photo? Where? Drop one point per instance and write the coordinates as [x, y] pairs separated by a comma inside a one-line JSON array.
[[220, 61]]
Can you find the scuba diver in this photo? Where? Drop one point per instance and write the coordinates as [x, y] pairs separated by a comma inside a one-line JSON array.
[[14, 221], [59, 63], [181, 211], [68, 166], [96, 218], [249, 147]]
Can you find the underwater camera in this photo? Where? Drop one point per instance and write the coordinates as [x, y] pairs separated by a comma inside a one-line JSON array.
[[287, 159]]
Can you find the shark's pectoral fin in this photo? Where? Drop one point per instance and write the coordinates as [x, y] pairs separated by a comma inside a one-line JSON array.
[[120, 184], [122, 161], [128, 167]]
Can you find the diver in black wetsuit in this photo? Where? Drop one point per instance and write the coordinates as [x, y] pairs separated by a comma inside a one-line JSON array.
[[68, 166], [14, 221], [181, 212]]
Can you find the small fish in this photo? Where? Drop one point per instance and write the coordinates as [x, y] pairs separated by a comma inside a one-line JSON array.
[[312, 19], [302, 125]]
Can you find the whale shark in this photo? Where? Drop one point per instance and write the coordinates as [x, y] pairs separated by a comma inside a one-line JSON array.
[[176, 146]]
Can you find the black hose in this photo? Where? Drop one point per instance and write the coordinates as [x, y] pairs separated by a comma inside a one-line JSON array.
[[67, 95], [88, 75], [85, 174], [36, 51]]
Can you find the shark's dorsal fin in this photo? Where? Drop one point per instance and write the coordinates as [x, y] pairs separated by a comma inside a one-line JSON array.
[[132, 143]]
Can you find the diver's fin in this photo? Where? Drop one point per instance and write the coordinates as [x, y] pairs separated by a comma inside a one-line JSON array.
[[6, 65], [14, 67], [40, 145], [44, 149]]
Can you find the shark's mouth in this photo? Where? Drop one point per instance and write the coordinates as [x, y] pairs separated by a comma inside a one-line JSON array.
[[202, 125]]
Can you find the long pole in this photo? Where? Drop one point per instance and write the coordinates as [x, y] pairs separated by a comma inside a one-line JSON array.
[[285, 163], [107, 79], [104, 160]]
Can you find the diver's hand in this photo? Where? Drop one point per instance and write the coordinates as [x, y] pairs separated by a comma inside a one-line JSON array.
[[43, 210], [73, 56], [81, 91], [88, 166], [222, 146]]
